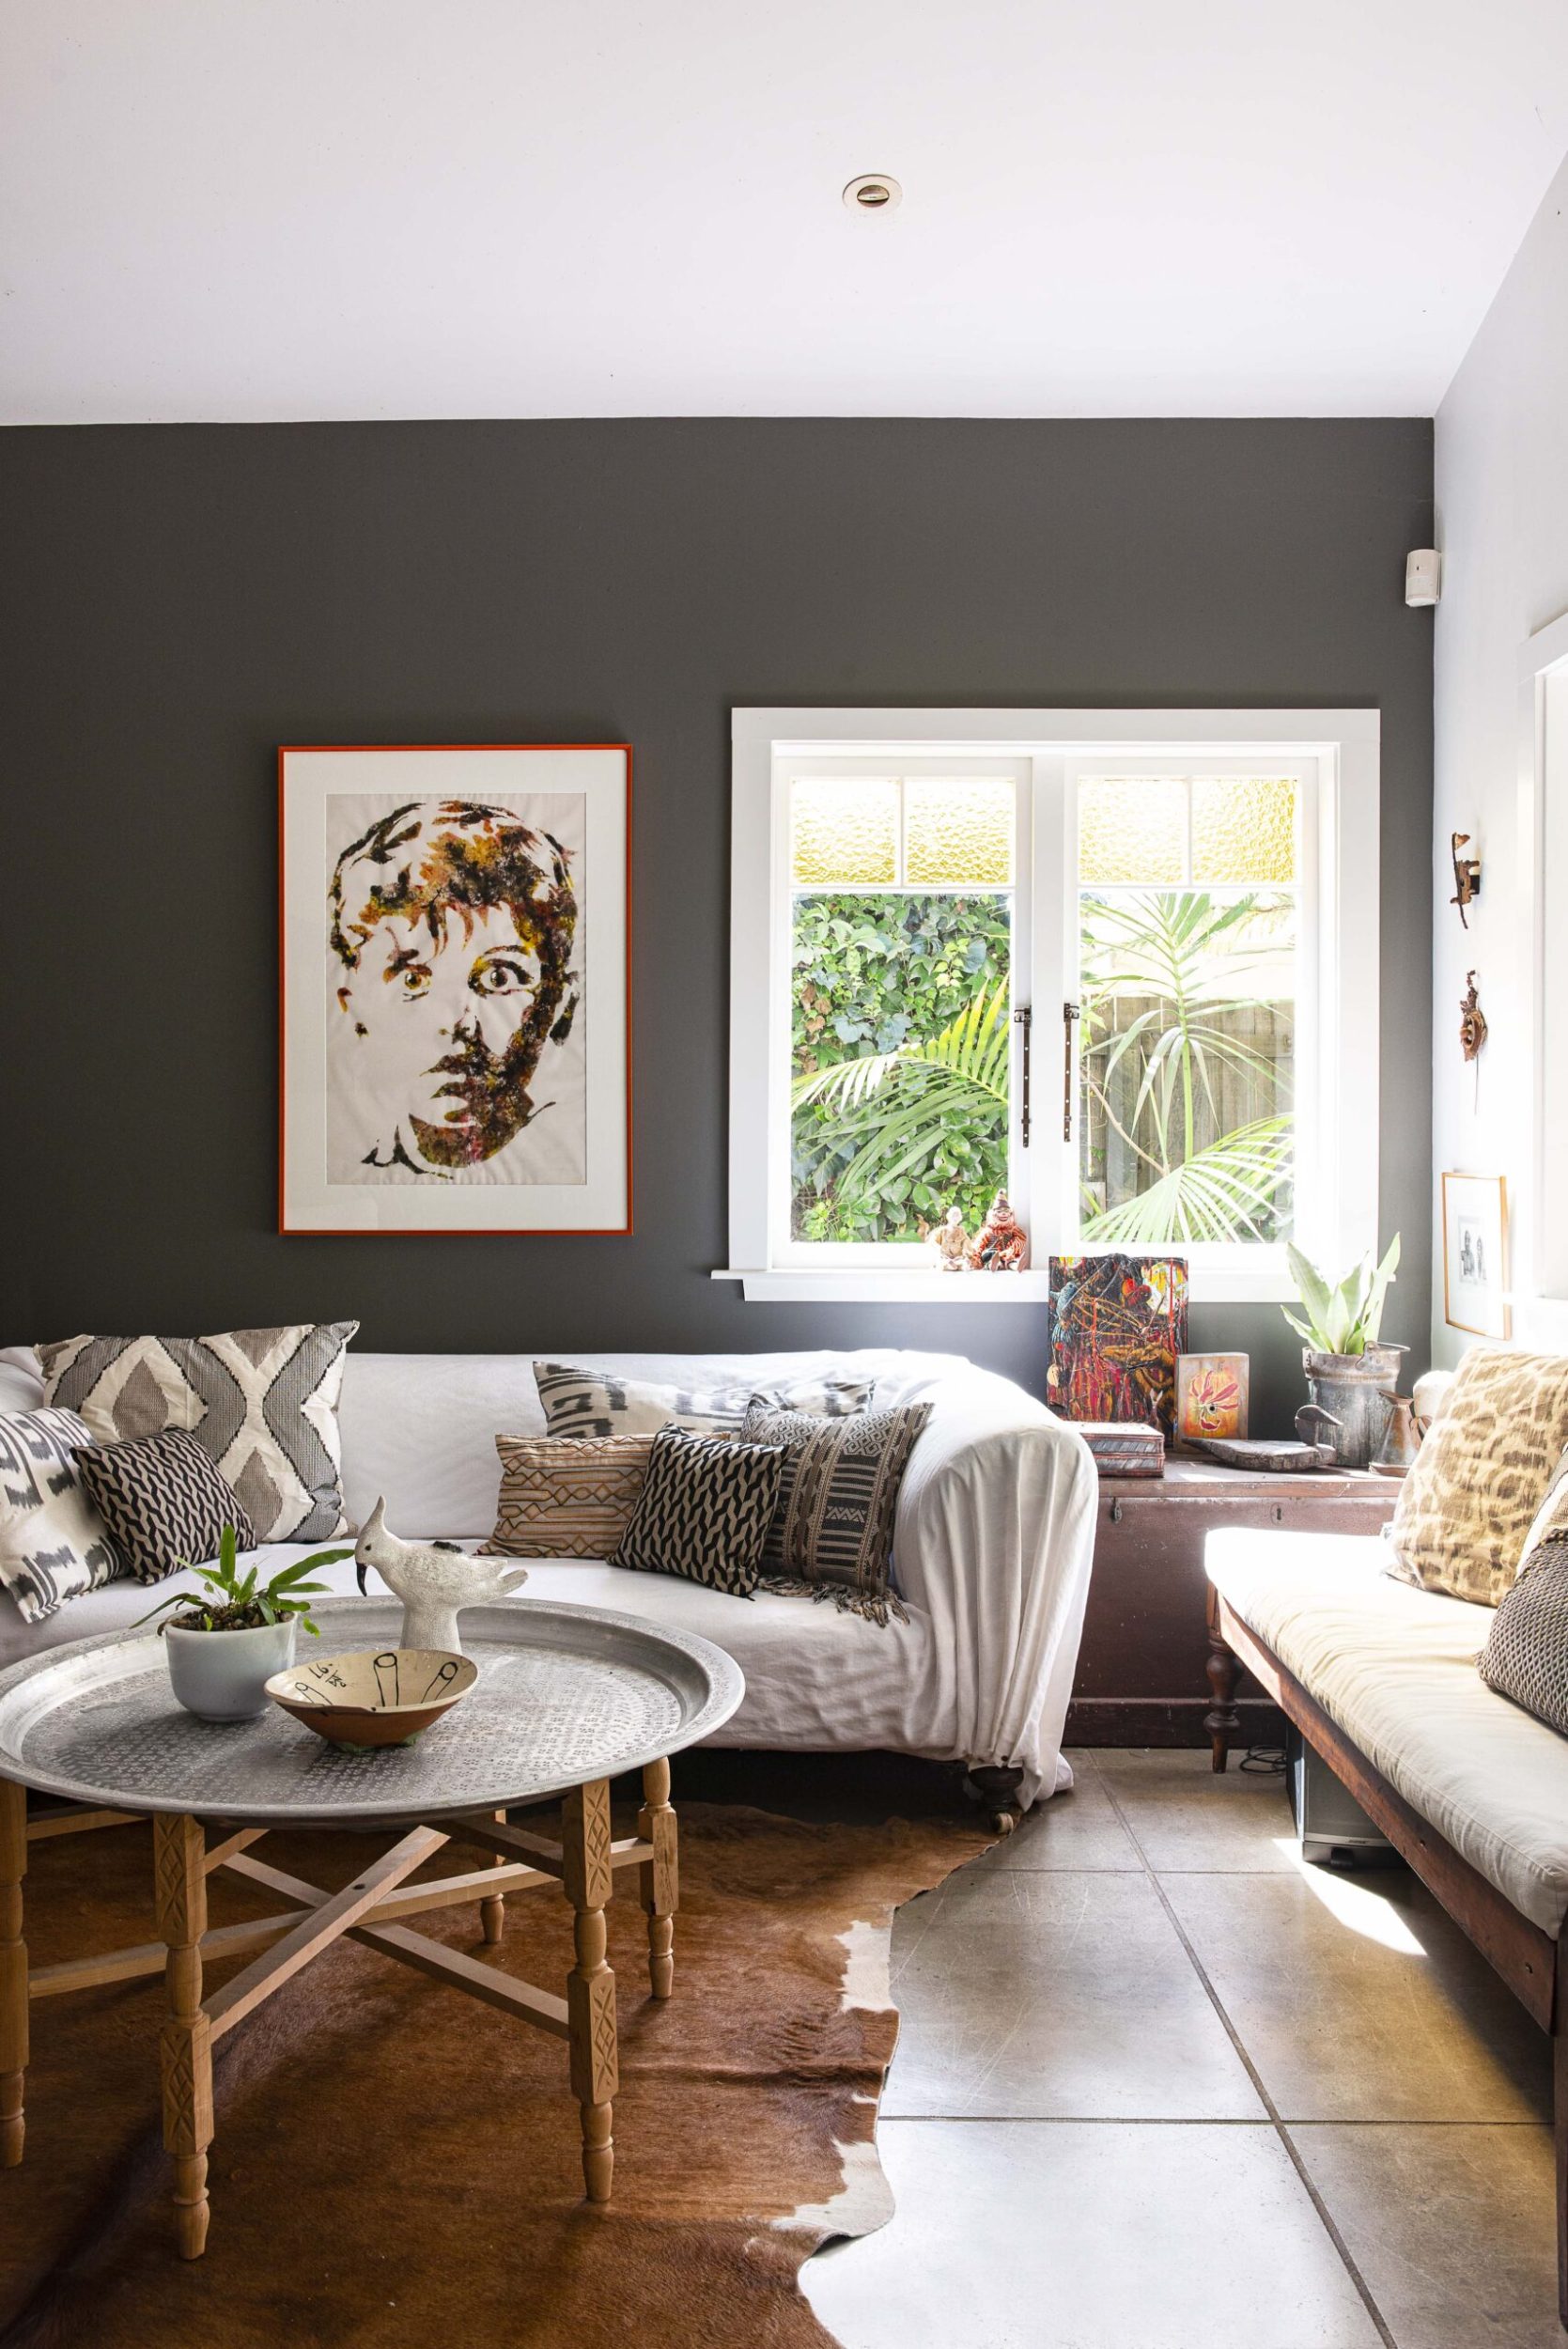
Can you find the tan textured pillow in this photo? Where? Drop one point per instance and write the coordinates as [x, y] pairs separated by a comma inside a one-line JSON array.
[[1481, 1474], [567, 1496]]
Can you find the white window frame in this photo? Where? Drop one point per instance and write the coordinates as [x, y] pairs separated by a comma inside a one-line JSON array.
[[1336, 750]]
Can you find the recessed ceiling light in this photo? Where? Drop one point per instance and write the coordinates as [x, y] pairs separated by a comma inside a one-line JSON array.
[[873, 192]]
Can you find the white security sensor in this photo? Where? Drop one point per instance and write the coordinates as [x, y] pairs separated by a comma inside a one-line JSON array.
[[1424, 576]]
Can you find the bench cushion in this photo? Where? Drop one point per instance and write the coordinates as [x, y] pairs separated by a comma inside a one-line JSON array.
[[1394, 1668]]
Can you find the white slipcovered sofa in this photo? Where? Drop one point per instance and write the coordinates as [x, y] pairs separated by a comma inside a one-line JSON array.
[[992, 1550]]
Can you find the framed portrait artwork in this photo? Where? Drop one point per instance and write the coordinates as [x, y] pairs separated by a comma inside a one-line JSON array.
[[456, 1033], [1475, 1254]]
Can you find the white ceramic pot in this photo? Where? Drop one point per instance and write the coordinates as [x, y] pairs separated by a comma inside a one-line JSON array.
[[223, 1676]]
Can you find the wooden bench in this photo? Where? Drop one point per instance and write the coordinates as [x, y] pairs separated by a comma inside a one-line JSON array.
[[1528, 1960]]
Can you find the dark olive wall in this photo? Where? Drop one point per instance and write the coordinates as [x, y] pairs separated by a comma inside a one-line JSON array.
[[176, 601]]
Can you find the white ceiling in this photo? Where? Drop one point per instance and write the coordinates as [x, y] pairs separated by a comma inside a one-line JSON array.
[[254, 209]]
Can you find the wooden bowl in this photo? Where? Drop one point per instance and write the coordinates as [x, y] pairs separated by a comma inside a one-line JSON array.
[[376, 1697]]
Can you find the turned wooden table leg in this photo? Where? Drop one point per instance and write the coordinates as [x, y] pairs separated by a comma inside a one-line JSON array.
[[186, 2046], [659, 1879], [492, 1910], [1221, 1720], [13, 1972], [588, 1878]]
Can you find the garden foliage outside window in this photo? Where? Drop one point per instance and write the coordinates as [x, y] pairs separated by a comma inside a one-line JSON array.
[[902, 960], [1188, 926]]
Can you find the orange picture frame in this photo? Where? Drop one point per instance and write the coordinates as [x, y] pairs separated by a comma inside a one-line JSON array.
[[311, 1204]]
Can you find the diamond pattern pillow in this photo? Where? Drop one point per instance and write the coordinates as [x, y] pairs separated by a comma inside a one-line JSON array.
[[1525, 1655], [262, 1403], [566, 1496], [599, 1403], [831, 1532], [703, 1511], [54, 1545], [165, 1503]]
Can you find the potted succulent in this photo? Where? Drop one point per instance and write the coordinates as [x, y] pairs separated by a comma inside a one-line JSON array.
[[1351, 1375], [231, 1639]]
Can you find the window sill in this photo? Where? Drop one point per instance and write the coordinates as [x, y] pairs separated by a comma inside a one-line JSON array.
[[1208, 1284]]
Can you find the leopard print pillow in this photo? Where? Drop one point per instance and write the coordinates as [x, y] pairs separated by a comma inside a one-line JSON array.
[[1480, 1476]]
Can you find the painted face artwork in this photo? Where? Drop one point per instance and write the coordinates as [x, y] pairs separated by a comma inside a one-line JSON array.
[[454, 925]]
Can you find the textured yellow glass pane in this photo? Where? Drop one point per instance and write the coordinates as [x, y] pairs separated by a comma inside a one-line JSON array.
[[1243, 828], [1131, 828], [846, 834], [959, 830]]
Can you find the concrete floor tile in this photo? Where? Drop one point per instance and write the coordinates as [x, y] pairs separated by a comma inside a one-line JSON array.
[[1050, 1993], [1090, 2235], [1452, 2229], [1358, 1999], [1077, 1829], [1186, 1816]]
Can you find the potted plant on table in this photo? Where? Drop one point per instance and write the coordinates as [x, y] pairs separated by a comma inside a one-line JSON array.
[[233, 1637], [1351, 1376]]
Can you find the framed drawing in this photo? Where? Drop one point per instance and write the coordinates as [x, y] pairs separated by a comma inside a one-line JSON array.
[[454, 1024], [1475, 1254]]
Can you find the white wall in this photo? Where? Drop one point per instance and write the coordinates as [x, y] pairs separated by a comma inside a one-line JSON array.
[[1502, 524]]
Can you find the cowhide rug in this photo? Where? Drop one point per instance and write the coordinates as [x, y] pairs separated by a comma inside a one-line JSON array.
[[396, 2165]]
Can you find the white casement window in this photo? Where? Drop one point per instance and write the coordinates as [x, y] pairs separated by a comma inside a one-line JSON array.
[[1121, 965]]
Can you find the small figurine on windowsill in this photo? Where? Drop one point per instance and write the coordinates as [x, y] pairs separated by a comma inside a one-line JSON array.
[[951, 1243], [1001, 1243]]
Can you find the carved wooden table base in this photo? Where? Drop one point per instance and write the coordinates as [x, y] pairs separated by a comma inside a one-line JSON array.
[[582, 1863]]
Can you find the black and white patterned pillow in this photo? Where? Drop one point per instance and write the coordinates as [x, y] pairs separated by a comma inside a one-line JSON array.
[[703, 1511], [54, 1545], [261, 1403], [831, 1532], [165, 1503], [1525, 1655], [601, 1403]]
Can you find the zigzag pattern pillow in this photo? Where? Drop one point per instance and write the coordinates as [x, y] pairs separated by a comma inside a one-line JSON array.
[[703, 1511], [601, 1403], [163, 1501], [262, 1403], [54, 1545]]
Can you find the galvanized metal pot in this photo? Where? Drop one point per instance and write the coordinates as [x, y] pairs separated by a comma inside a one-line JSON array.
[[1354, 1389]]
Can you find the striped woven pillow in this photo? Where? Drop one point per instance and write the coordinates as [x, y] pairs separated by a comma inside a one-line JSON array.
[[567, 1496], [831, 1532], [602, 1403]]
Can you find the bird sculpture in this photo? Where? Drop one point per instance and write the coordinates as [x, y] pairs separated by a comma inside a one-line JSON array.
[[433, 1580]]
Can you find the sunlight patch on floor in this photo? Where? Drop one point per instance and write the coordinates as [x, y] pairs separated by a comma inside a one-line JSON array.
[[1370, 1914]]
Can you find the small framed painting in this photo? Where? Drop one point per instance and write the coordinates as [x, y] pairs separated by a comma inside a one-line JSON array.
[[455, 1033], [1475, 1255], [1212, 1394]]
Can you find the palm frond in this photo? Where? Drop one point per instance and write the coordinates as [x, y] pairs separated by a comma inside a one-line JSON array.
[[1225, 1192]]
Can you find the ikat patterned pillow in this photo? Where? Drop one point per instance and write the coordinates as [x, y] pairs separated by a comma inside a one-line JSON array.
[[165, 1503], [566, 1496], [262, 1403], [831, 1532], [703, 1511], [599, 1403], [53, 1544]]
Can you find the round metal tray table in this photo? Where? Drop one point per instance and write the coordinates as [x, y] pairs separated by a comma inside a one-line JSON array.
[[567, 1697]]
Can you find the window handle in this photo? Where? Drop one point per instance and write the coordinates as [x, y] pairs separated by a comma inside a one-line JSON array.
[[1024, 1018], [1069, 1013]]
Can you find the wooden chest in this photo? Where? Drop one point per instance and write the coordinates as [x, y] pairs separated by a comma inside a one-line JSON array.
[[1141, 1677]]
